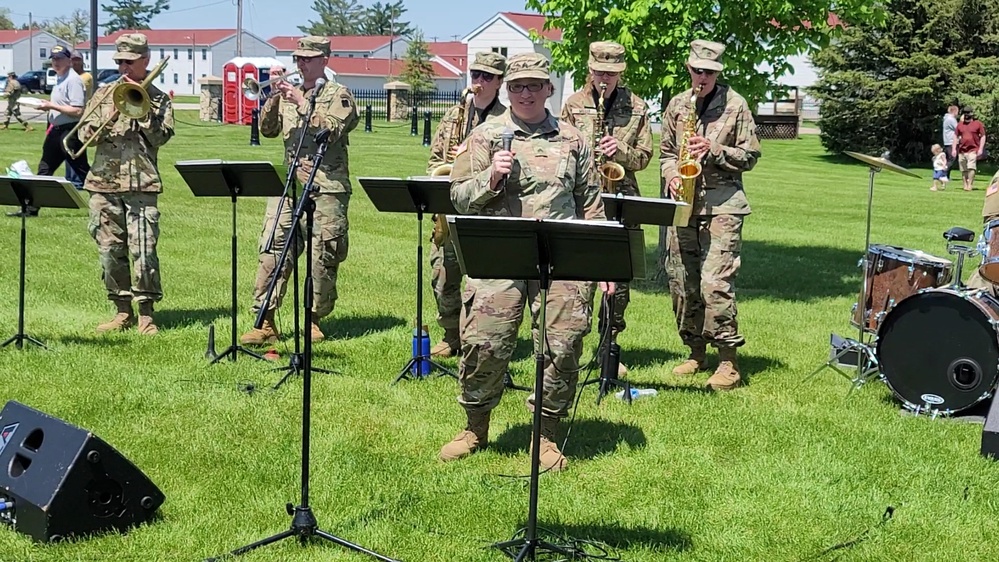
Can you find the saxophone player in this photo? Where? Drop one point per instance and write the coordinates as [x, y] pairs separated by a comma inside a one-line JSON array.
[[616, 122], [704, 256], [487, 75]]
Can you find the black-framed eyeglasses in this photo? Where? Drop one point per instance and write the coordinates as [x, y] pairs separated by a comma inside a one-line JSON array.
[[295, 59], [533, 87], [700, 71], [482, 75]]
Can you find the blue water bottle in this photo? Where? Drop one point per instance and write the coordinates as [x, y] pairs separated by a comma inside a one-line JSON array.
[[421, 347]]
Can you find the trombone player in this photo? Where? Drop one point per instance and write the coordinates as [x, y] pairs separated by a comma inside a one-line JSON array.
[[616, 123], [714, 126], [487, 77], [124, 183]]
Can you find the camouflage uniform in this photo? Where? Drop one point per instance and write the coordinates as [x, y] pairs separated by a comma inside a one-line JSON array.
[[627, 117], [124, 184], [336, 110], [13, 92], [704, 256], [990, 212], [446, 274]]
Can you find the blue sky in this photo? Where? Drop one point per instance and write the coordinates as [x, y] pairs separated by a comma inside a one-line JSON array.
[[267, 18]]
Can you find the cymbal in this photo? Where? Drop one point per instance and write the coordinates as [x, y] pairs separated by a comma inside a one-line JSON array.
[[883, 163]]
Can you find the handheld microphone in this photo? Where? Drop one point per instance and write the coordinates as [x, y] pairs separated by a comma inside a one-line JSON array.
[[320, 82], [507, 140]]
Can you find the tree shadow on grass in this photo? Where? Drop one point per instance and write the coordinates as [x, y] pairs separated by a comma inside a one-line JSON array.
[[615, 536], [171, 318], [347, 327], [590, 438]]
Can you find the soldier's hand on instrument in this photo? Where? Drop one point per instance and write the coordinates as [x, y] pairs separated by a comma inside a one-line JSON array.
[[277, 71], [502, 165], [674, 187], [608, 146], [698, 146]]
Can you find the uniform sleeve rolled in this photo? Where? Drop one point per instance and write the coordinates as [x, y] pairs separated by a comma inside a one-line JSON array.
[[743, 154]]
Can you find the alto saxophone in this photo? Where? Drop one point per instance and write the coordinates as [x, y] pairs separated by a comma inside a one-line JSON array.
[[460, 129], [688, 168], [610, 172]]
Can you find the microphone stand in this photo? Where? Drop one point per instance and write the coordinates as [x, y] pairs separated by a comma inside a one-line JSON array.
[[295, 363]]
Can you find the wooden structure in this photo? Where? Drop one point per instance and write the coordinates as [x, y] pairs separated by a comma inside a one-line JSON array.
[[782, 121]]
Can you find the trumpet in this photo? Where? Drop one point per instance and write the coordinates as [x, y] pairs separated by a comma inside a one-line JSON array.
[[253, 90], [129, 99]]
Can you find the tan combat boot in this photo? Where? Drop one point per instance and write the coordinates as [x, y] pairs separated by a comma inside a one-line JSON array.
[[267, 333], [550, 458], [474, 437], [122, 321], [28, 128], [3, 127], [693, 364], [726, 376], [316, 332], [146, 325], [448, 346]]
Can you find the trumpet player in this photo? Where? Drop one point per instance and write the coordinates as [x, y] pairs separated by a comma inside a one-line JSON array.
[[283, 116], [616, 122], [124, 186], [64, 108], [487, 77], [711, 124]]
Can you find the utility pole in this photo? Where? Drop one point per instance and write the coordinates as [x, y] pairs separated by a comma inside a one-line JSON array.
[[391, 39], [93, 40], [239, 28], [31, 46]]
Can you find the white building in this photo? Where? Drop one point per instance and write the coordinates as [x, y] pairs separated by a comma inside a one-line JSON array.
[[22, 50], [346, 46], [194, 53], [509, 33]]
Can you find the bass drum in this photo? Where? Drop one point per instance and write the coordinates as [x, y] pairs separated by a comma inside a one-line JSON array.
[[939, 349]]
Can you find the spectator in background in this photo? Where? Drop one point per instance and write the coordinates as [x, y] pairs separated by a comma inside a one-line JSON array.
[[939, 168], [970, 145], [88, 90], [950, 136]]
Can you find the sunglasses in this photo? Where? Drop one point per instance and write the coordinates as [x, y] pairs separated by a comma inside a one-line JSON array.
[[484, 76], [303, 59], [533, 87], [605, 73], [700, 71], [129, 62]]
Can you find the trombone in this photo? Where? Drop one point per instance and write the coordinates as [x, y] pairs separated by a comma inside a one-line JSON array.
[[129, 99], [252, 90]]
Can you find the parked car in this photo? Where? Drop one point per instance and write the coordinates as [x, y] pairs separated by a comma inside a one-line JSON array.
[[51, 79], [108, 78], [32, 81], [104, 73]]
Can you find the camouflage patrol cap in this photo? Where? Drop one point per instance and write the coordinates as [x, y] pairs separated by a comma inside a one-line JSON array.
[[493, 63], [312, 46], [130, 46], [607, 56], [706, 54], [527, 65]]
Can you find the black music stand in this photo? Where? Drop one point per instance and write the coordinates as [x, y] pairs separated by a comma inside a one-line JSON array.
[[417, 195], [38, 192], [629, 211], [543, 251], [218, 178]]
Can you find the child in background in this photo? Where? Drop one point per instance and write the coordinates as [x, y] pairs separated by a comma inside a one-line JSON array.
[[939, 168]]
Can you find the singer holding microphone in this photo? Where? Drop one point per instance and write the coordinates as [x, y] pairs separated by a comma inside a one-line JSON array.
[[524, 163], [284, 114]]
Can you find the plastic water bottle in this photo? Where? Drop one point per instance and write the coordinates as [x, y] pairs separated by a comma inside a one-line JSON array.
[[421, 347], [638, 393]]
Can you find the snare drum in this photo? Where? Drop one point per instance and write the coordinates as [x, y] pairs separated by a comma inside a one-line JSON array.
[[893, 274], [939, 349], [990, 252]]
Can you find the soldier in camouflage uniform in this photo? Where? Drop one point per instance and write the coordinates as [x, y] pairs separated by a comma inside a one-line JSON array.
[[548, 176], [990, 212], [629, 142], [282, 115], [124, 185], [13, 92], [487, 72], [704, 256]]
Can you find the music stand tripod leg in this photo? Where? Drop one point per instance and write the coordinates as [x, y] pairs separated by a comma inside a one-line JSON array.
[[234, 349], [20, 337]]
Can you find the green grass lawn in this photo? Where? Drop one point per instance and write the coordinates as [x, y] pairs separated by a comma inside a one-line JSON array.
[[780, 470]]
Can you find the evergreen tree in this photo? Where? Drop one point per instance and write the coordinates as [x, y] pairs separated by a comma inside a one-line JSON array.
[[132, 14], [887, 88], [418, 71], [336, 17], [385, 19]]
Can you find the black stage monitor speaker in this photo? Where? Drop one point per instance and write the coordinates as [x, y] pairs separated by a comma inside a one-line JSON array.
[[64, 481]]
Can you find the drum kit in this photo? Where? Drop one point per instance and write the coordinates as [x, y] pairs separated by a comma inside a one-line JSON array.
[[930, 338]]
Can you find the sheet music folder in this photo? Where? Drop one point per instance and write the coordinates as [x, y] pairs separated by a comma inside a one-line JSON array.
[[508, 248], [397, 195], [641, 210], [40, 191], [212, 178]]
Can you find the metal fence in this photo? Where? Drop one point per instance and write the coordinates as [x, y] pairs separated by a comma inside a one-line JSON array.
[[437, 102], [377, 99]]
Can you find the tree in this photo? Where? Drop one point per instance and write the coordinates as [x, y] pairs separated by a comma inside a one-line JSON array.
[[132, 14], [73, 28], [384, 19], [886, 88], [336, 17], [5, 21], [418, 71]]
